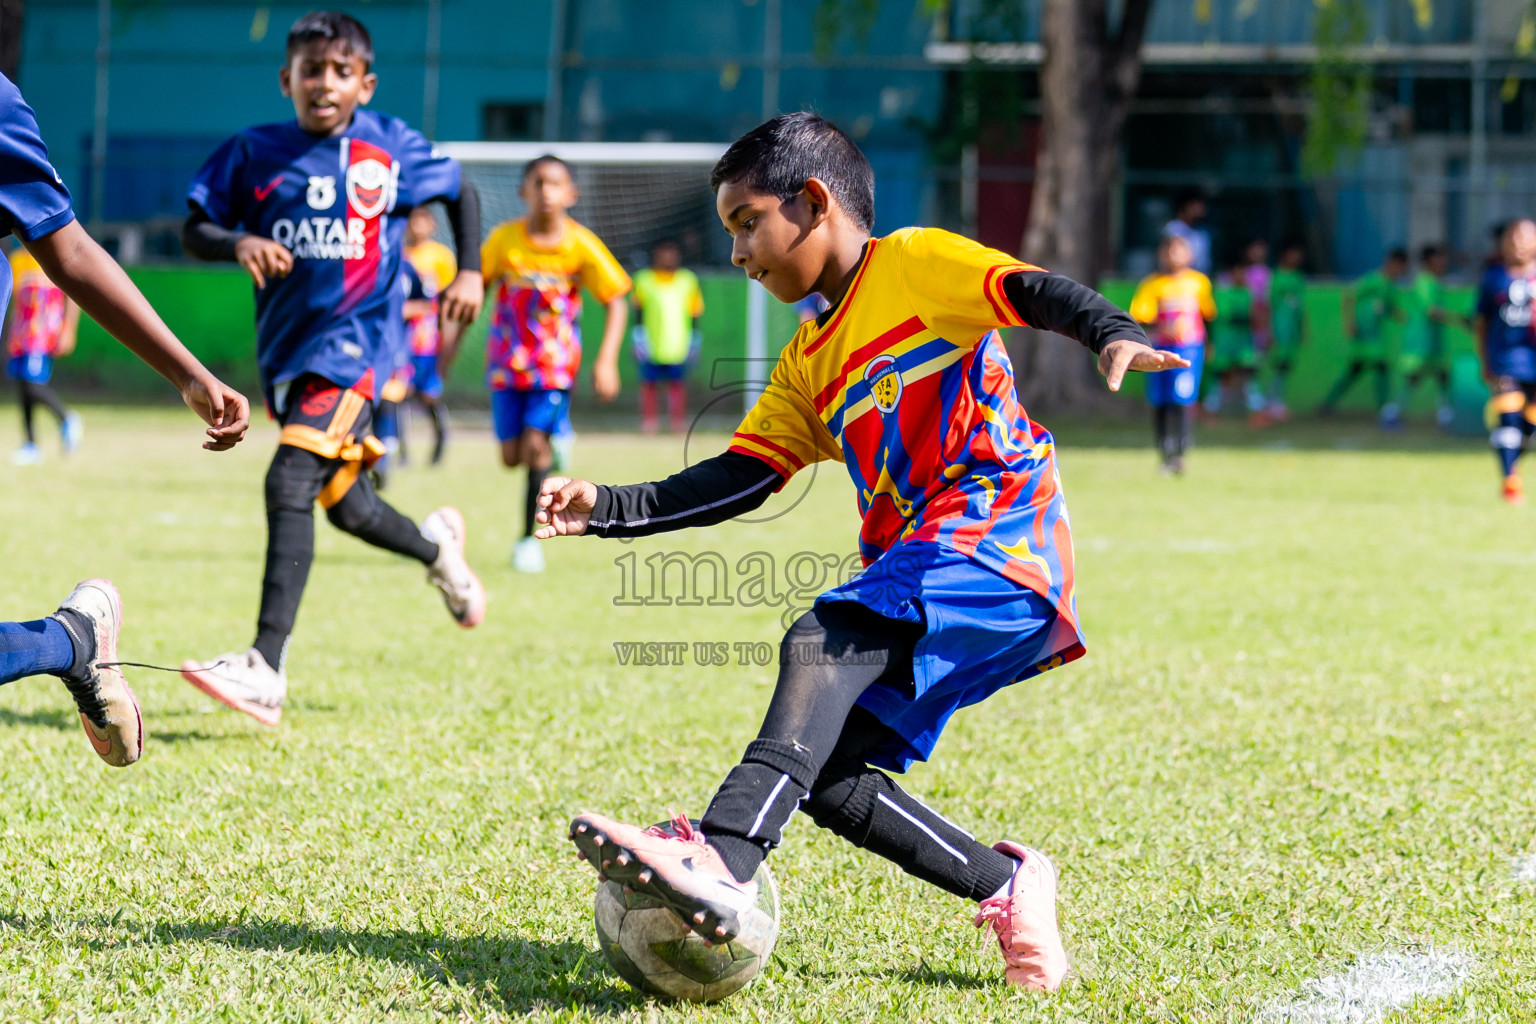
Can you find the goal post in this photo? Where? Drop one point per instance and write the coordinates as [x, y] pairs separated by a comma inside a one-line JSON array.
[[632, 194]]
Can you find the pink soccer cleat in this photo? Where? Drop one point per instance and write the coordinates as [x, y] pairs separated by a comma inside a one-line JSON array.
[[672, 864], [1024, 922], [109, 711]]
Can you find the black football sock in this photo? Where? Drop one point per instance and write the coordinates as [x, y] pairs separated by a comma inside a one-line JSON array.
[[867, 808], [294, 481], [439, 429], [1185, 427], [829, 657], [531, 499], [368, 517], [27, 406]]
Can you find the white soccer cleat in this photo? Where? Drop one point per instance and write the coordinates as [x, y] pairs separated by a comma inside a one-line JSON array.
[[451, 574], [28, 454], [242, 680], [108, 709], [528, 556]]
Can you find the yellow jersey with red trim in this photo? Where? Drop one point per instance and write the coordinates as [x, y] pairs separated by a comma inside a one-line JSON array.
[[1175, 306], [37, 321], [534, 342], [908, 384]]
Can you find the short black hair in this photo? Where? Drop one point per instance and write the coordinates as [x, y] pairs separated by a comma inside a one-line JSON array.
[[1398, 255], [779, 156], [547, 158], [1292, 244], [1187, 196], [1430, 251], [332, 25]]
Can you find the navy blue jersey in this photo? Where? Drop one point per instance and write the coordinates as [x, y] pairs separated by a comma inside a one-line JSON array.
[[33, 200], [1504, 301], [412, 288], [339, 204]]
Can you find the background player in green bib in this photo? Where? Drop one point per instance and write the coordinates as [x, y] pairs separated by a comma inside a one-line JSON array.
[[1231, 353], [1424, 352], [668, 303], [1367, 305], [1287, 311]]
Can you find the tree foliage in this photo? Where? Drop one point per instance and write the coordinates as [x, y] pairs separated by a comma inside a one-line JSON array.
[[1339, 93]]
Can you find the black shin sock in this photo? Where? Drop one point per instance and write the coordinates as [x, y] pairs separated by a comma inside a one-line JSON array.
[[368, 517], [27, 406], [294, 481], [829, 657], [1160, 429], [531, 499], [867, 808], [1185, 429]]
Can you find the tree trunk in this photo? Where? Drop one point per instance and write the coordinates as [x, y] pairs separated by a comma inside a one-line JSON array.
[[1087, 80], [10, 36]]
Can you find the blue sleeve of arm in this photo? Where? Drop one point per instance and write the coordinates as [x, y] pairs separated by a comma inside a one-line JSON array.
[[427, 174], [216, 187], [33, 199]]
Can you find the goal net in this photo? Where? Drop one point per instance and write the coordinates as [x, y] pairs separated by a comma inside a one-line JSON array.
[[633, 194]]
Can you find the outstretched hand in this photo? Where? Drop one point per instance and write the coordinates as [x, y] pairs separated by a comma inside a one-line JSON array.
[[565, 507], [224, 409], [1124, 354]]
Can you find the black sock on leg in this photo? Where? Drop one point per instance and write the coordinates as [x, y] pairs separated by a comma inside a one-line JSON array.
[[746, 818], [531, 499]]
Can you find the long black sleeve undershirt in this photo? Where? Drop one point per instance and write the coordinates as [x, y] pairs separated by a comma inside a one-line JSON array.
[[732, 484], [704, 494], [1051, 302], [205, 240]]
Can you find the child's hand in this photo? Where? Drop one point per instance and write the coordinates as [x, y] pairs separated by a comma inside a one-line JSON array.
[[605, 379], [263, 258], [462, 299], [565, 507], [224, 409], [1124, 354]]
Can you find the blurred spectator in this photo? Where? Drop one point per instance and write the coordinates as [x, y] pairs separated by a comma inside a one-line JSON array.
[[1188, 215]]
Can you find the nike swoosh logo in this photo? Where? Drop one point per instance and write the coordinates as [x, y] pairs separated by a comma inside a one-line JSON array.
[[103, 746], [262, 193]]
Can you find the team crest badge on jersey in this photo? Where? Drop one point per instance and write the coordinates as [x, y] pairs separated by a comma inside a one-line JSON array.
[[368, 188], [884, 379]]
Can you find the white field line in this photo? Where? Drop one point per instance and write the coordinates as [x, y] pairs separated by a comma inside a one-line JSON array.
[[1523, 867], [1374, 986]]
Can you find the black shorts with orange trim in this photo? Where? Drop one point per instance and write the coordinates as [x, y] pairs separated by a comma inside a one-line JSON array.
[[323, 417]]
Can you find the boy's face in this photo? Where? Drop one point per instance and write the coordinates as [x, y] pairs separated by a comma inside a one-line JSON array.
[[1436, 263], [326, 83], [772, 238], [1395, 266], [1256, 253], [421, 226], [1292, 258], [1176, 255], [1519, 242], [666, 257], [548, 189]]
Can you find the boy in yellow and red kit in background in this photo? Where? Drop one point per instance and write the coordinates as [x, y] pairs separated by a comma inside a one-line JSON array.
[[41, 328]]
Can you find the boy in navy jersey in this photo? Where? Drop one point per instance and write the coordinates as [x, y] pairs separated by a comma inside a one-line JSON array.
[[315, 210], [78, 642], [1505, 300]]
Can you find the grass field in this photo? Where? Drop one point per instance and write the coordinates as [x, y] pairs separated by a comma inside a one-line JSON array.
[[1302, 735]]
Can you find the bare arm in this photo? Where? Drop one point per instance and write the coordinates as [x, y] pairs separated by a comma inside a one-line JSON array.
[[74, 262], [605, 372]]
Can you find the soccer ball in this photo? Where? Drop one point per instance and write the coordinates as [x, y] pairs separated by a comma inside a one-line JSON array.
[[655, 951]]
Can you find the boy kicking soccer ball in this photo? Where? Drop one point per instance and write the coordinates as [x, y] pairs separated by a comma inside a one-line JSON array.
[[78, 642], [968, 581], [314, 209], [533, 350]]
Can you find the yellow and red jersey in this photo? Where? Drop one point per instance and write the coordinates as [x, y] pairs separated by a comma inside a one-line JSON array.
[[908, 384], [435, 266], [37, 323], [1176, 307], [534, 340]]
